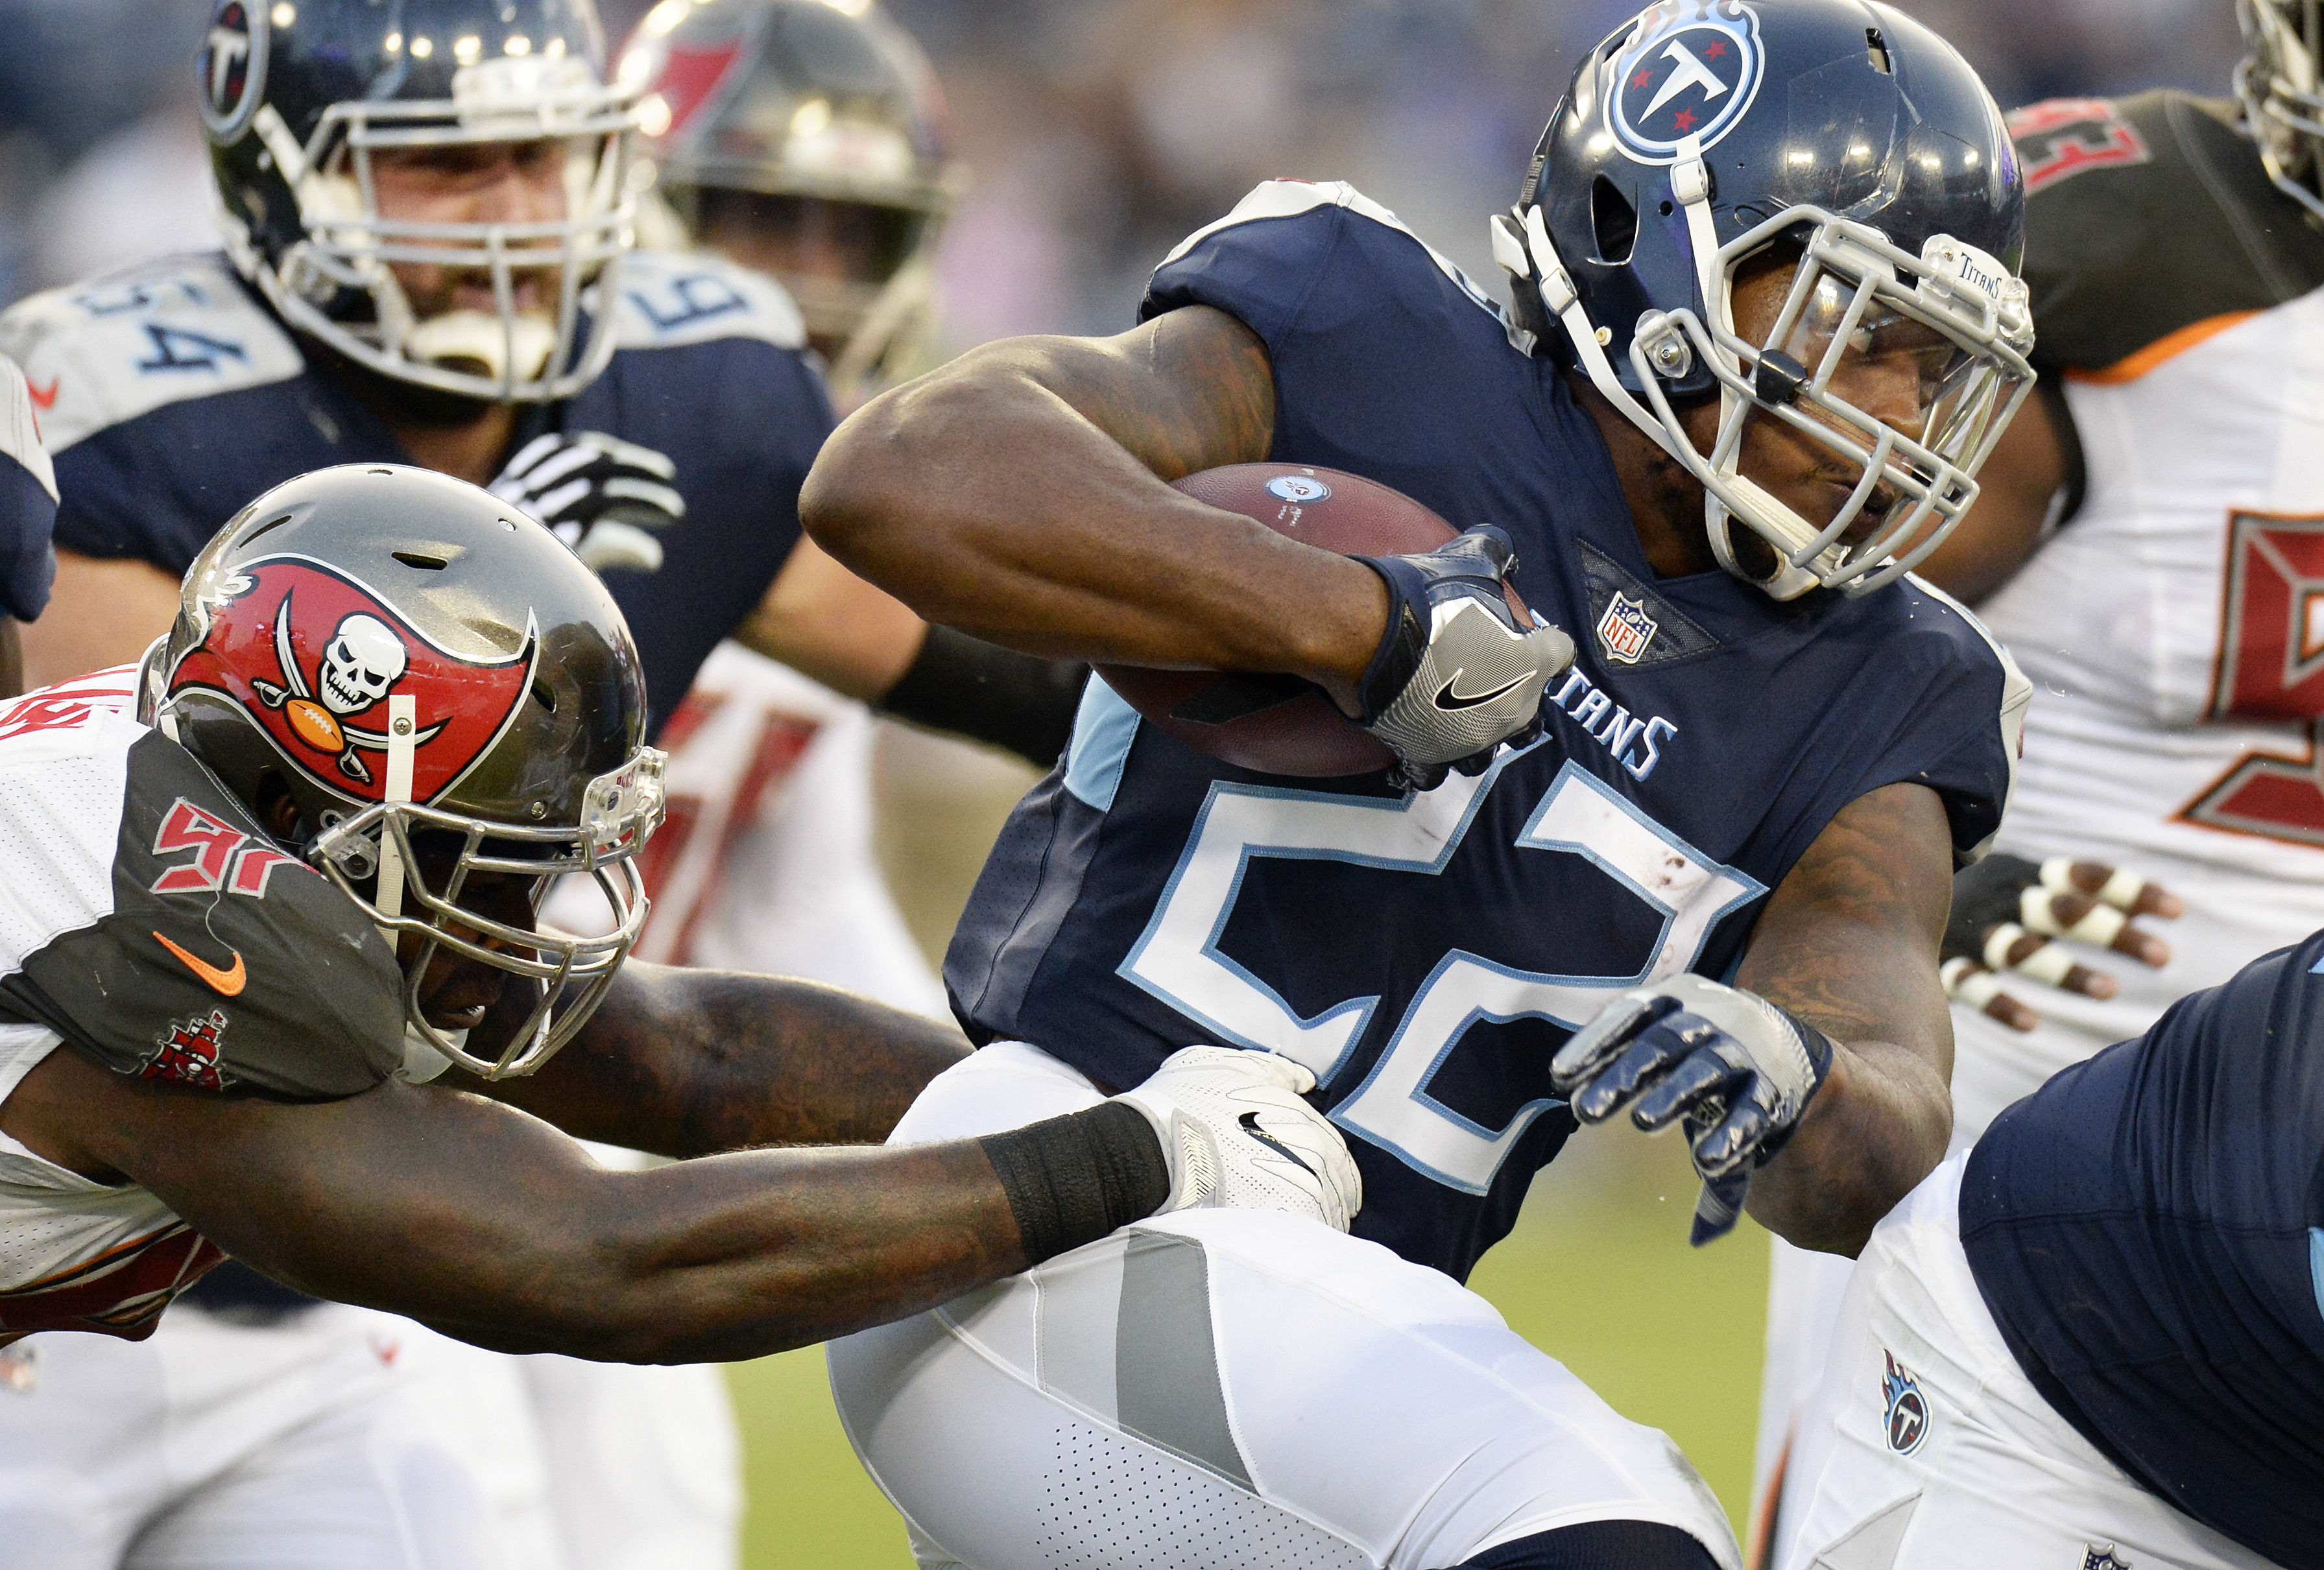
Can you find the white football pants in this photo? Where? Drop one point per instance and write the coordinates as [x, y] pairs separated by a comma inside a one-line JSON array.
[[316, 1443], [1228, 1388], [1984, 1472]]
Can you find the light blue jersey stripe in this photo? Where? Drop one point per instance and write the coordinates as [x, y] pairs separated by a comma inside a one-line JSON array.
[[1104, 728], [2316, 1263]]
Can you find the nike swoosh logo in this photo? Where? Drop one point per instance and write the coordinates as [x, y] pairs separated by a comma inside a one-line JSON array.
[[224, 982], [1447, 699], [1249, 1120], [44, 400]]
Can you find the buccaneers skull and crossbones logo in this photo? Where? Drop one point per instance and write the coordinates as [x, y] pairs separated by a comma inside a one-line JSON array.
[[364, 659], [337, 650]]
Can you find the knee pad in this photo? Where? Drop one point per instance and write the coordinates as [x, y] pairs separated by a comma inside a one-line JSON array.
[[1600, 1546]]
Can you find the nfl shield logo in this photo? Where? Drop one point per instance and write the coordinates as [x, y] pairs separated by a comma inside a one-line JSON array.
[[1626, 629], [2095, 1556]]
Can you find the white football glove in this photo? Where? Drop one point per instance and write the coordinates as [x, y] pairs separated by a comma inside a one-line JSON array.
[[602, 496], [1237, 1136]]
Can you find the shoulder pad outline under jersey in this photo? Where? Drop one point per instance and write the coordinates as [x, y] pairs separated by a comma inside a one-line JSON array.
[[669, 300], [1288, 198], [103, 351]]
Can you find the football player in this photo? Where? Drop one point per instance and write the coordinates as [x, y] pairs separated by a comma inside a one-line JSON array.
[[28, 511], [1766, 327], [2097, 1337], [2142, 541], [266, 888], [428, 211]]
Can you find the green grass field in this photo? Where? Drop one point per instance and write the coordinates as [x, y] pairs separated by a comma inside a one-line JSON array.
[[1598, 1274]]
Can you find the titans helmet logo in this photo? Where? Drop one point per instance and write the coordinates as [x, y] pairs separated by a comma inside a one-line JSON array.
[[1690, 70], [311, 655], [233, 68]]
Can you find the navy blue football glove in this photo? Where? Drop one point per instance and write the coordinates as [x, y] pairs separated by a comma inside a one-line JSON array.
[[1454, 675], [28, 502], [1734, 1069]]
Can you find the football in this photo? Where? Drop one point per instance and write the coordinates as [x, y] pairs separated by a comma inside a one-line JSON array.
[[1280, 725]]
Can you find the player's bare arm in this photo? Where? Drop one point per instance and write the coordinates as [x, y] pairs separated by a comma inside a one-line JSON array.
[[488, 1222], [686, 1062], [1848, 943], [1020, 493]]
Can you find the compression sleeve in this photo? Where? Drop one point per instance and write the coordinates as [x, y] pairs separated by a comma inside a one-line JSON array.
[[989, 694], [1072, 1179]]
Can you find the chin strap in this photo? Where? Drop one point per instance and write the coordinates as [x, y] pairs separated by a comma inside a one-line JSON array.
[[403, 730], [1529, 254]]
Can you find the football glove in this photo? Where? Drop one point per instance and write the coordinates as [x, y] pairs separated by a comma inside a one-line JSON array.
[[1734, 1069], [602, 496], [1237, 1136], [1455, 677], [2007, 909]]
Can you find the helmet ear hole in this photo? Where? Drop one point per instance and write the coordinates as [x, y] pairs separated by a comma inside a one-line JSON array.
[[1615, 221]]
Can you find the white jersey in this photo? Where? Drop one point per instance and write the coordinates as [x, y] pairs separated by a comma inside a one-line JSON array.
[[2174, 626], [145, 921]]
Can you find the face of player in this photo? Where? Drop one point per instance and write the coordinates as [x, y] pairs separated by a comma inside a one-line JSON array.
[[456, 992], [1896, 369], [804, 240], [489, 182]]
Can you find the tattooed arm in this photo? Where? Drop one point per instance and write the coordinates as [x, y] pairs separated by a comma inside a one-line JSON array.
[[1020, 493], [1848, 943], [689, 1062]]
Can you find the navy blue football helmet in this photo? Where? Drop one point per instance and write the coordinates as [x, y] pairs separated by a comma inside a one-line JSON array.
[[1704, 132], [297, 97]]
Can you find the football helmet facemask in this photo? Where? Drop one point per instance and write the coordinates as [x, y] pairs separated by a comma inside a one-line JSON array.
[[2281, 85], [299, 101], [783, 113], [1702, 135], [446, 692]]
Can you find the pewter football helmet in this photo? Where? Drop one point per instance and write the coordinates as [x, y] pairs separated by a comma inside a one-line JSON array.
[[445, 689]]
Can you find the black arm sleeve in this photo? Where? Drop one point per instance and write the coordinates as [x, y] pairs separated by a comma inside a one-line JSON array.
[[988, 693]]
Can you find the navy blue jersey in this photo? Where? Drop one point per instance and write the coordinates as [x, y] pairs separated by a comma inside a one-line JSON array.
[[1425, 954], [28, 504], [175, 395], [2148, 1231]]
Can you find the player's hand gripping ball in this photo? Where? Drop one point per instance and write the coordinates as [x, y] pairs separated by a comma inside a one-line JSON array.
[[1461, 668], [1239, 1137], [1736, 1070], [607, 498], [2006, 910]]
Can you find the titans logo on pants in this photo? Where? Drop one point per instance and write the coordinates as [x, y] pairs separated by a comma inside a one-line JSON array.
[[1692, 71]]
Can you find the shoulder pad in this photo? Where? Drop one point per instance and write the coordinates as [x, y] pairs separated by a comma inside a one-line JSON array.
[[667, 300], [2060, 138], [1288, 198], [147, 920], [2147, 216], [101, 353]]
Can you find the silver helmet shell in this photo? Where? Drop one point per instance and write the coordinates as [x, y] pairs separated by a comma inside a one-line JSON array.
[[445, 690]]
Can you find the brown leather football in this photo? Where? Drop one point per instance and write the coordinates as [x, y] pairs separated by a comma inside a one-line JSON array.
[[1280, 725]]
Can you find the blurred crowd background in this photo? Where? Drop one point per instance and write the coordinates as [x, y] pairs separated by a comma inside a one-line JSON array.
[[1097, 133]]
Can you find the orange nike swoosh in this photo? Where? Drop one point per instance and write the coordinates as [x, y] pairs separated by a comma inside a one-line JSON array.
[[226, 983], [44, 400]]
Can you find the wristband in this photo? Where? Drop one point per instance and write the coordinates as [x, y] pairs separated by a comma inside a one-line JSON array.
[[981, 690], [1073, 1179]]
